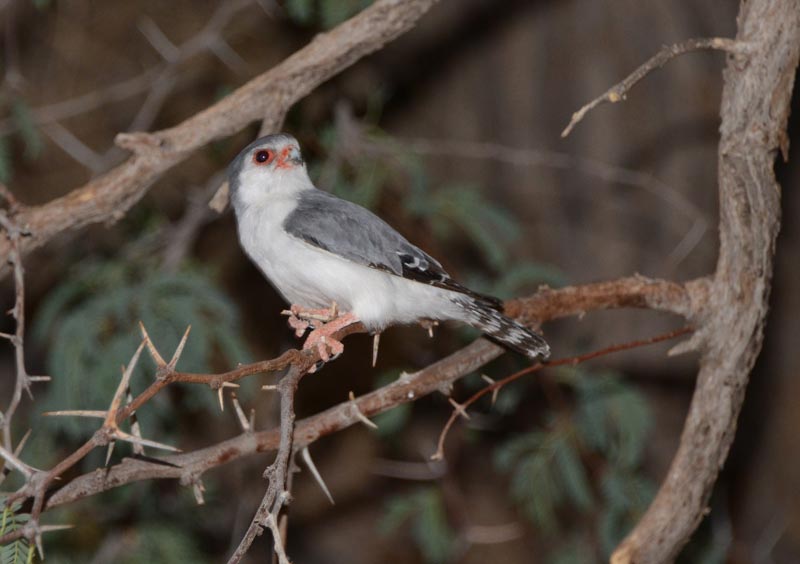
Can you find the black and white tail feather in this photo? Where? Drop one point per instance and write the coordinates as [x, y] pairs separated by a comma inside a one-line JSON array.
[[485, 313]]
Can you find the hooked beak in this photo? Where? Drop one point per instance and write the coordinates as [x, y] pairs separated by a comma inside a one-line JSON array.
[[289, 157], [294, 156]]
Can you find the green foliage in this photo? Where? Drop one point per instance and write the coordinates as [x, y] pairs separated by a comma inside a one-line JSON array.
[[430, 531], [21, 114], [626, 495], [323, 13], [18, 551], [549, 471], [163, 542], [546, 472], [91, 321], [21, 117], [612, 416], [300, 11], [156, 543], [575, 550], [5, 161]]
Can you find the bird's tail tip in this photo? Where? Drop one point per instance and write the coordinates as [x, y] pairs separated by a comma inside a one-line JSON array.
[[506, 332]]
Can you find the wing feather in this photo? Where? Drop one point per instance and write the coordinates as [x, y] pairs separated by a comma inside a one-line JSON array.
[[353, 232]]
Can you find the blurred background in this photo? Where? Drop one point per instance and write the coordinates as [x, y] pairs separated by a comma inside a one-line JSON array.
[[452, 134]]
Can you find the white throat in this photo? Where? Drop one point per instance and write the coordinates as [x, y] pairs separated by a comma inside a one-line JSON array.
[[257, 188]]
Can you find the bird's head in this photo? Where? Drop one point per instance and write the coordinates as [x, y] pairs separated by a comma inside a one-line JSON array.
[[267, 167]]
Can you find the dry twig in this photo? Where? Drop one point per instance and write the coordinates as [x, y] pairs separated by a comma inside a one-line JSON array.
[[267, 97], [619, 91], [23, 380], [460, 409]]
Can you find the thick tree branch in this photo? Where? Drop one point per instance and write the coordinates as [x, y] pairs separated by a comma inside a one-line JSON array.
[[755, 110], [267, 96]]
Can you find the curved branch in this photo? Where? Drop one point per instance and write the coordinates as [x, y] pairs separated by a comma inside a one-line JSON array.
[[755, 109], [266, 97], [548, 304]]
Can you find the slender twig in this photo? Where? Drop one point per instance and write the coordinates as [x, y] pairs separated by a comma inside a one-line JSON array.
[[459, 409], [23, 380], [618, 92]]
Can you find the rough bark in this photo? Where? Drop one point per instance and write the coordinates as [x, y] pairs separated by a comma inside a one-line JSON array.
[[754, 111]]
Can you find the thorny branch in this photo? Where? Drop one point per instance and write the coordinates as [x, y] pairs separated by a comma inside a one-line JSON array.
[[629, 292], [277, 494], [23, 379]]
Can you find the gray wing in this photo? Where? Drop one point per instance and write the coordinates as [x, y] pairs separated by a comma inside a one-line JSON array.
[[350, 231]]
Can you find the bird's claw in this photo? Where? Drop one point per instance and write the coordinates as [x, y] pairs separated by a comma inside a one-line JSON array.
[[327, 347], [302, 319], [300, 326]]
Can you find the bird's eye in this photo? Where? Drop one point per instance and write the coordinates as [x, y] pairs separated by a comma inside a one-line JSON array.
[[264, 156]]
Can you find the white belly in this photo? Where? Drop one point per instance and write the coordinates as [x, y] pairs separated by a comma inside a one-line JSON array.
[[310, 277]]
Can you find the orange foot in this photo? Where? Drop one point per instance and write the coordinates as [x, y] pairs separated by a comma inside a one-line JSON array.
[[301, 318], [321, 338]]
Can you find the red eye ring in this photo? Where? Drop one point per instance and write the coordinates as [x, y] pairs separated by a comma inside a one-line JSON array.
[[263, 156]]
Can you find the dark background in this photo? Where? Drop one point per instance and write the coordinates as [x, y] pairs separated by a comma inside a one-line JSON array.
[[631, 190]]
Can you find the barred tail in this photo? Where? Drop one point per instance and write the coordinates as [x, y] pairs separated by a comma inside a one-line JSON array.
[[504, 331]]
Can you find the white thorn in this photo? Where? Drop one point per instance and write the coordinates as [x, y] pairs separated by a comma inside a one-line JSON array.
[[491, 382], [179, 350], [136, 429], [245, 424], [123, 385], [151, 348], [459, 409], [39, 546], [122, 436], [375, 342], [359, 415], [310, 463], [198, 488], [22, 442], [76, 413], [110, 450]]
